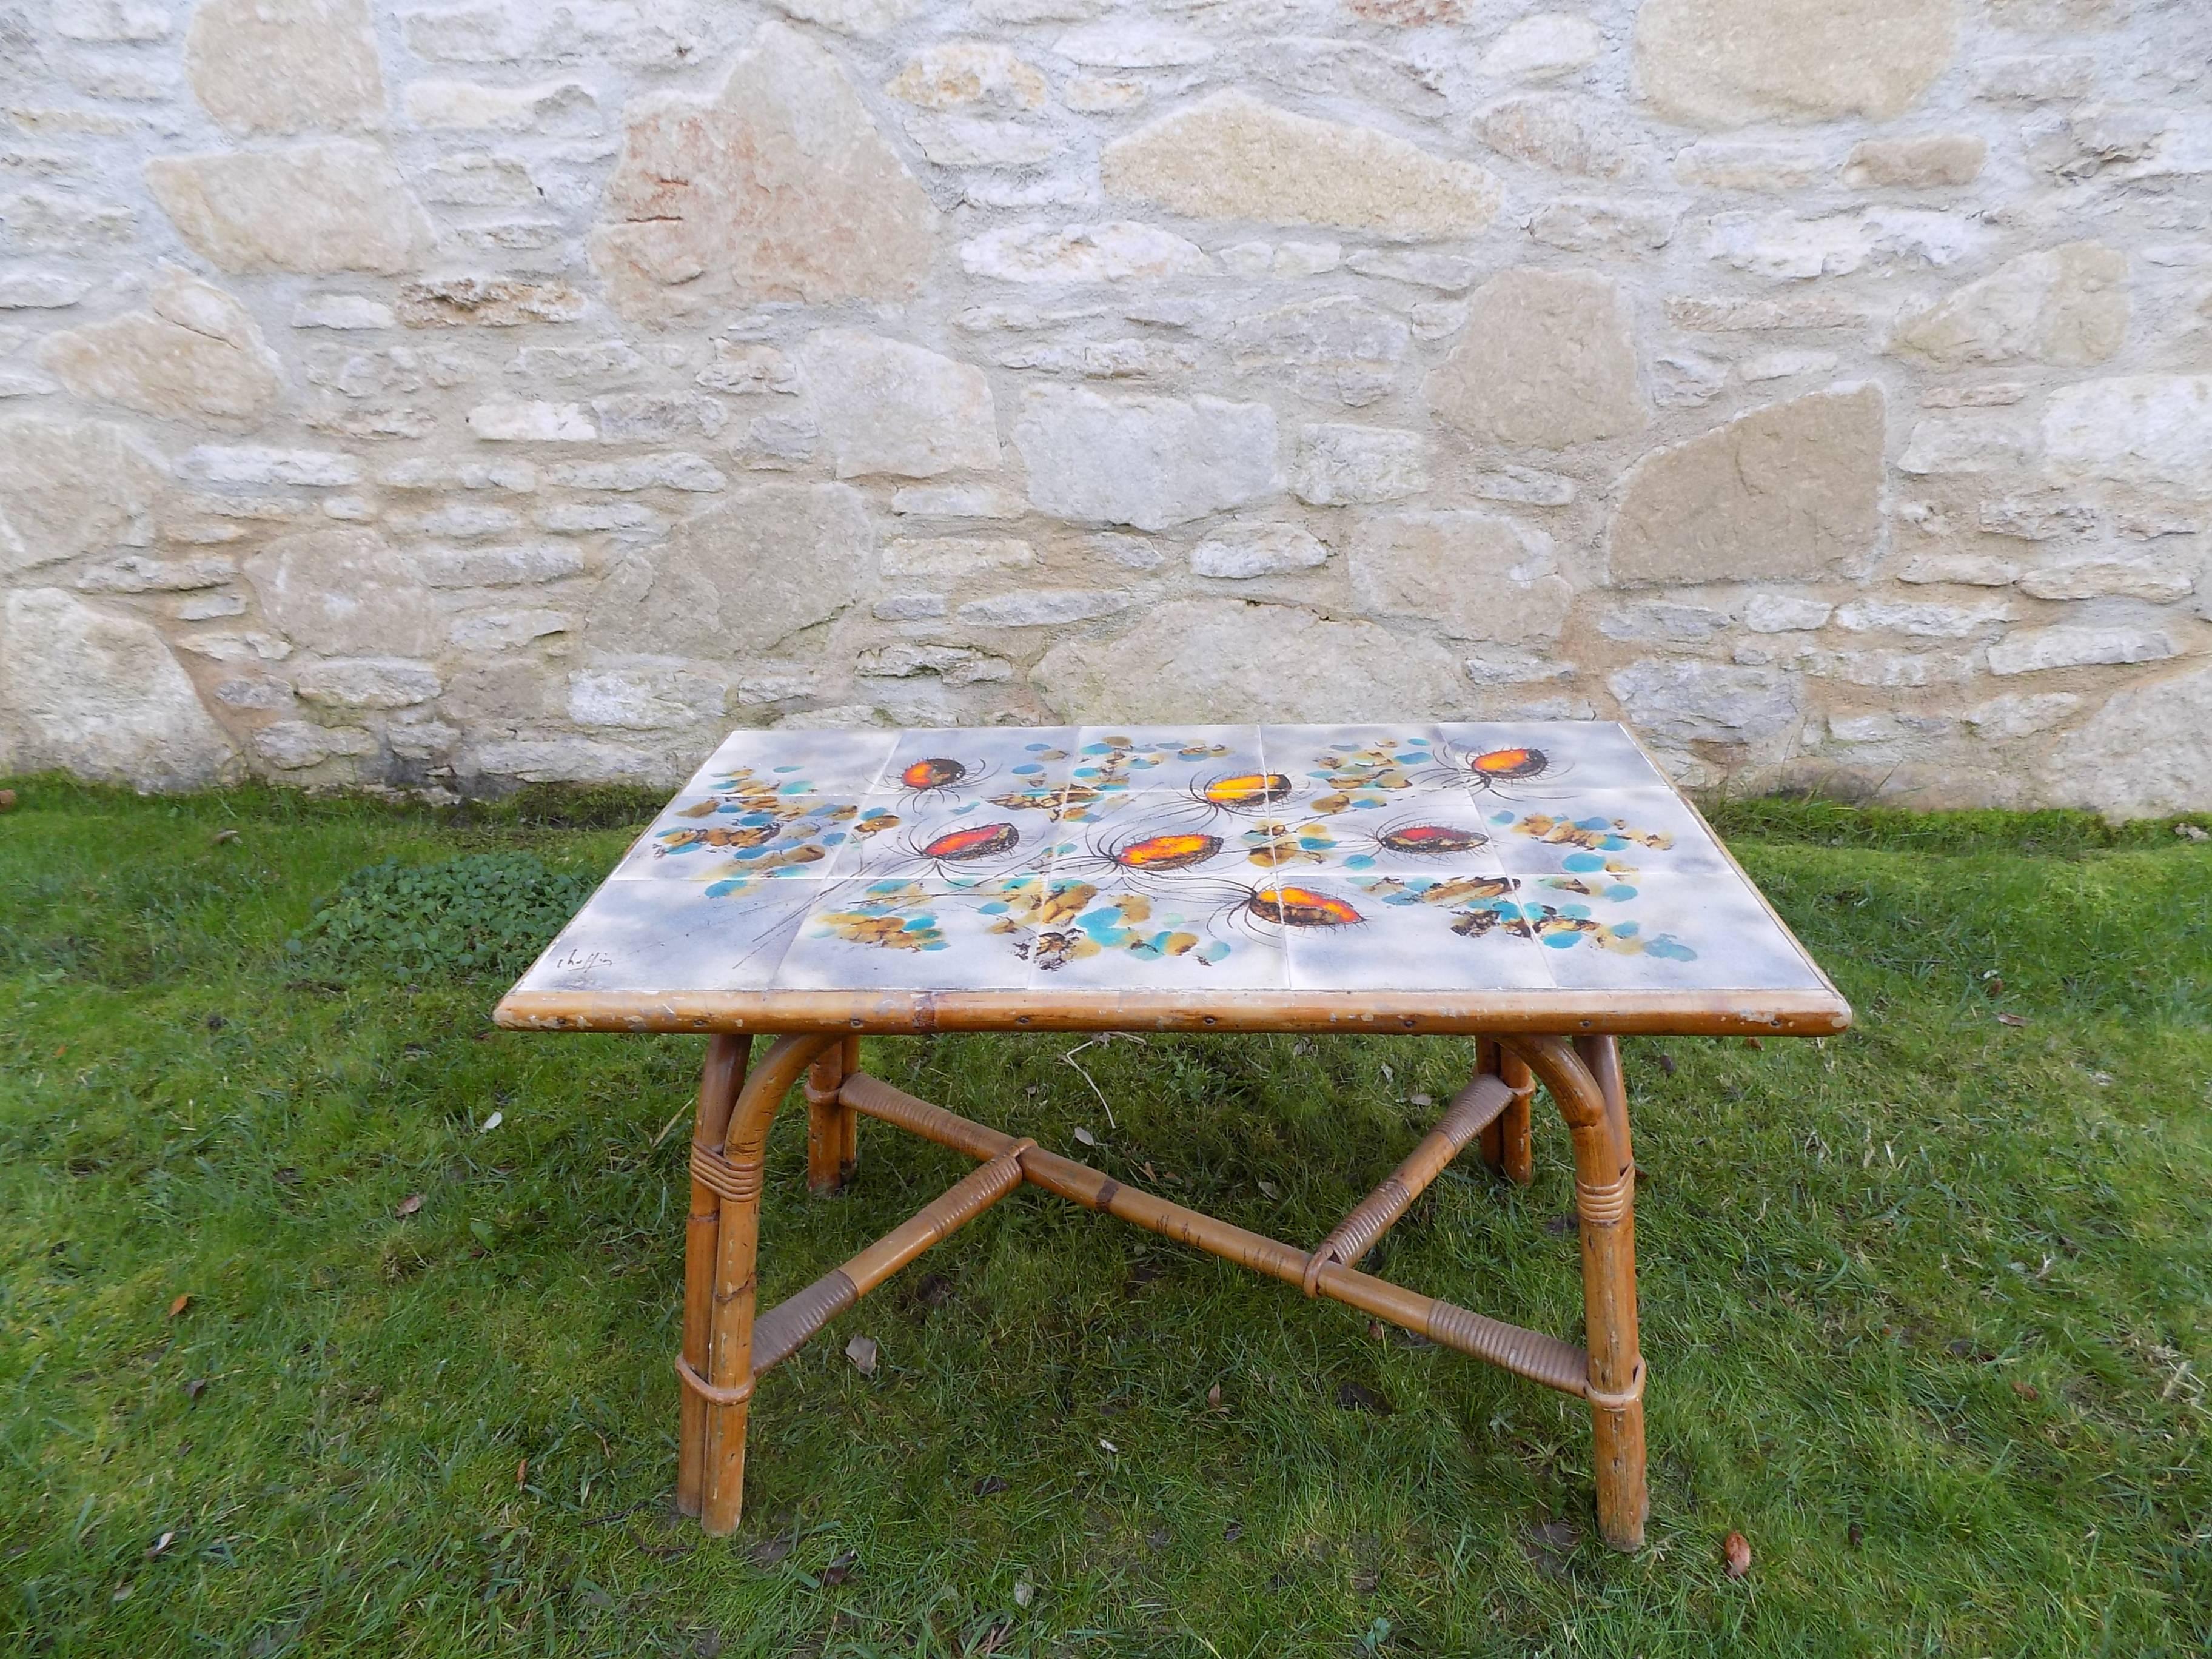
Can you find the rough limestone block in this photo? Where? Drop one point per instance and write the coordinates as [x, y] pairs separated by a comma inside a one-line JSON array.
[[2030, 651], [862, 17], [1792, 489], [1341, 466], [1473, 575], [2066, 305], [887, 407], [2149, 429], [1729, 63], [780, 187], [1538, 48], [2148, 751], [73, 486], [194, 351], [285, 65], [344, 592], [1244, 549], [1151, 462], [1928, 160], [1546, 359], [315, 208], [1560, 130], [1230, 157], [1226, 659], [367, 683], [1118, 252], [739, 578], [962, 75], [563, 107], [1338, 347], [1685, 701], [100, 697]]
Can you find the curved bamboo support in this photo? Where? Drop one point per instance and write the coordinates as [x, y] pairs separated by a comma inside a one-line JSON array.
[[729, 1167], [1471, 1111], [1604, 1192], [778, 1333], [1526, 1353]]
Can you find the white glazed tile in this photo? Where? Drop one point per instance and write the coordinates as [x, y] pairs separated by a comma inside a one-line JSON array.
[[1663, 933], [1416, 933], [957, 764], [796, 762], [911, 935]]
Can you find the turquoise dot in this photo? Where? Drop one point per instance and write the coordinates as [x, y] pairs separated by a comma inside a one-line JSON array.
[[1561, 941], [1627, 929], [1029, 770], [1360, 861], [1212, 952], [1582, 861], [1621, 893]]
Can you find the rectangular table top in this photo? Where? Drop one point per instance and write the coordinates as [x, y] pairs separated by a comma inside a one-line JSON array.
[[1529, 875]]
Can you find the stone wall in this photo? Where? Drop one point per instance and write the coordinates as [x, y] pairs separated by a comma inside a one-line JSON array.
[[445, 394]]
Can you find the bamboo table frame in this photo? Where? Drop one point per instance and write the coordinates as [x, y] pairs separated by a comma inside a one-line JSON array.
[[1564, 1040]]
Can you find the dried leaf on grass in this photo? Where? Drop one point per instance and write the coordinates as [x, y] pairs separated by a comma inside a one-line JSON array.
[[183, 1302], [1736, 1550], [409, 1206], [862, 1352]]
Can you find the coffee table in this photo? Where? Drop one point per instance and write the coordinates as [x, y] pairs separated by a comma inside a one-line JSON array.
[[1538, 886]]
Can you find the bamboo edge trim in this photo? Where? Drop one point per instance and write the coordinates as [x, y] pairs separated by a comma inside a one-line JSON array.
[[1683, 1013]]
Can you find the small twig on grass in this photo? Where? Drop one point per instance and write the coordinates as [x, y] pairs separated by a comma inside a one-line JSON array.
[[668, 1128], [1104, 1036], [609, 1520]]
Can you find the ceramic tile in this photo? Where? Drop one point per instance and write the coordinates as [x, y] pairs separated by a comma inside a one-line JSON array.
[[1662, 933], [914, 934], [799, 762], [962, 763], [658, 936], [1340, 768], [1408, 933], [1372, 858], [1151, 838], [1192, 759], [902, 834], [1539, 761], [1610, 832], [713, 837], [1090, 935]]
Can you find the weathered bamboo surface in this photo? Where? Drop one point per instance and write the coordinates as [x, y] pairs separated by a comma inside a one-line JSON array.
[[1625, 1013]]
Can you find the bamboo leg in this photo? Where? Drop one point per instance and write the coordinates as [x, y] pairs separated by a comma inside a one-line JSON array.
[[831, 1126], [1605, 1189], [720, 1080], [733, 1171], [1491, 1143], [849, 1156], [1507, 1144]]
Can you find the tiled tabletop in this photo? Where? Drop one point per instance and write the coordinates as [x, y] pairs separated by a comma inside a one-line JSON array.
[[1534, 862]]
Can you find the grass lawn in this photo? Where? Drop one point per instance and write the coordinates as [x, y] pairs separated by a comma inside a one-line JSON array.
[[1928, 1307]]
